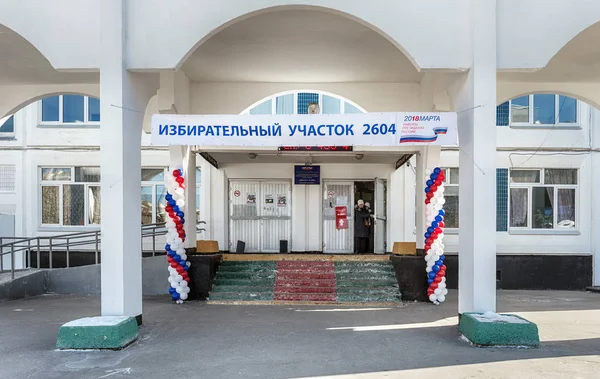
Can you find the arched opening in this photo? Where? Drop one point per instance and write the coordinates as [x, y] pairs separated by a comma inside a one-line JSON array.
[[539, 110], [296, 102]]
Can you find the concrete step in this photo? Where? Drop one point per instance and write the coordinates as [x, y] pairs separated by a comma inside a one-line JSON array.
[[305, 297], [241, 296], [284, 289], [246, 275], [243, 282], [241, 289], [353, 298]]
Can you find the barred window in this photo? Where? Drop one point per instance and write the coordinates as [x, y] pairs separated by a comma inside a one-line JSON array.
[[7, 178]]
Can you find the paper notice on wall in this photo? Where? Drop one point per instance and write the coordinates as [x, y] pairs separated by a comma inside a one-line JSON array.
[[251, 199], [341, 200], [282, 200], [269, 201]]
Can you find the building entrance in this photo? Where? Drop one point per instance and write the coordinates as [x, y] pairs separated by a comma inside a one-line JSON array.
[[339, 239]]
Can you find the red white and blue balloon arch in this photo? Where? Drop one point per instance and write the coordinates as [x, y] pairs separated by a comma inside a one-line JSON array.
[[434, 235], [175, 248]]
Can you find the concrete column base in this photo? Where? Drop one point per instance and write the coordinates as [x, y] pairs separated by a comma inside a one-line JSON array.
[[490, 329], [104, 332]]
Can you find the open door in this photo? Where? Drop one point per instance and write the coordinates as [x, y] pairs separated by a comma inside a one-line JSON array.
[[380, 245], [335, 239]]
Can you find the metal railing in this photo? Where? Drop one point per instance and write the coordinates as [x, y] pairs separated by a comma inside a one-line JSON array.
[[88, 241]]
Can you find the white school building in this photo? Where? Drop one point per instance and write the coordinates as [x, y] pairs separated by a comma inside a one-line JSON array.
[[77, 99]]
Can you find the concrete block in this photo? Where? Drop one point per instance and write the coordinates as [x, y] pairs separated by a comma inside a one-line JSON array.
[[491, 329], [103, 332]]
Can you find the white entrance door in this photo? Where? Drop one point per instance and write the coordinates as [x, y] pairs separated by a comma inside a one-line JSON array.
[[259, 214], [338, 240], [7, 229], [380, 244]]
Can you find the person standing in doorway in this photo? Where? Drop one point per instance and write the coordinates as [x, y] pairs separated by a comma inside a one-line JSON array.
[[362, 223]]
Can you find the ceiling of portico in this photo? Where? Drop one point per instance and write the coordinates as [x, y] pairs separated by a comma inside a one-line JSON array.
[[302, 158], [22, 63], [300, 46], [577, 61]]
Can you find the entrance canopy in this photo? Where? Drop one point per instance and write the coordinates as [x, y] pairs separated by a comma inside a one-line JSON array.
[[366, 129]]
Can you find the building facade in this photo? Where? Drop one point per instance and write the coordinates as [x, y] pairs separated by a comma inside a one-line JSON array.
[[76, 122]]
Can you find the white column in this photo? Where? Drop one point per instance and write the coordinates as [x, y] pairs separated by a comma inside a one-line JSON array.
[[124, 97], [181, 157], [476, 106], [427, 158], [595, 184]]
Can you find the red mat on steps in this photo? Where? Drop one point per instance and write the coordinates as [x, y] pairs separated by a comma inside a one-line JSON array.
[[305, 281]]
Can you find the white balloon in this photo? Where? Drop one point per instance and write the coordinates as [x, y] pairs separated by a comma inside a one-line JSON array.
[[438, 194], [183, 296], [180, 203], [170, 279], [442, 189], [433, 201], [442, 285], [183, 256], [437, 291], [184, 283], [188, 263], [427, 212], [428, 269], [179, 278], [173, 284], [180, 251], [426, 257], [444, 291], [180, 191], [441, 298], [432, 297], [437, 206], [187, 289], [443, 279], [179, 289], [441, 201]]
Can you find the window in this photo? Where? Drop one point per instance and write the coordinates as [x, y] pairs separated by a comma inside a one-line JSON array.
[[297, 103], [70, 196], [154, 192], [7, 126], [538, 110], [8, 175], [451, 197], [543, 199], [70, 109]]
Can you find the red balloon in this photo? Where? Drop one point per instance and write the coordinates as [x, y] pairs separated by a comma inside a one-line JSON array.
[[441, 224], [179, 179], [179, 269], [441, 273], [433, 285], [170, 259], [443, 268], [437, 279], [179, 226], [184, 274], [168, 208], [187, 279], [176, 173], [429, 195], [171, 214], [433, 189], [438, 230], [427, 247], [174, 264]]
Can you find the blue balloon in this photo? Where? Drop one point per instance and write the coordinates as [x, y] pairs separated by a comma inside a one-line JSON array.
[[167, 247], [180, 172], [171, 253], [429, 183], [427, 235], [180, 214], [182, 221], [168, 197], [175, 296], [429, 281], [182, 262], [436, 268], [427, 190], [430, 229], [176, 208], [177, 257], [185, 267], [434, 225], [431, 275], [437, 170], [438, 218], [172, 290], [441, 212], [172, 203], [442, 257], [434, 176], [439, 263]]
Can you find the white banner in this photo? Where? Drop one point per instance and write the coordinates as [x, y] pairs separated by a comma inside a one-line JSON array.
[[360, 129]]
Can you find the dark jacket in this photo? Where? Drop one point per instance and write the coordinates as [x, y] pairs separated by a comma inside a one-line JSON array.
[[360, 216]]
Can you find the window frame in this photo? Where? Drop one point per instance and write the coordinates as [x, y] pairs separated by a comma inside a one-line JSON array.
[[9, 135], [448, 173], [273, 98], [529, 229], [60, 123], [60, 184], [557, 124]]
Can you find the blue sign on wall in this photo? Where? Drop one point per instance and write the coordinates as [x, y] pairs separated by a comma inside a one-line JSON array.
[[307, 174]]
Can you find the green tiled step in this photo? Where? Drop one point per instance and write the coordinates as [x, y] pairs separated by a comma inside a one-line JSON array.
[[241, 296], [365, 277], [386, 290], [367, 283], [248, 263], [243, 282], [242, 288], [368, 298]]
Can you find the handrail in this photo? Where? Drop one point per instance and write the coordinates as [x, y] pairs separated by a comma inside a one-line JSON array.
[[69, 240]]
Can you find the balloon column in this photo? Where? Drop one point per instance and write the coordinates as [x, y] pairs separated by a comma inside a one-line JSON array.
[[178, 264], [434, 214]]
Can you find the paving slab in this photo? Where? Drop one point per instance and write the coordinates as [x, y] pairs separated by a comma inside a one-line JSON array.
[[198, 340]]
